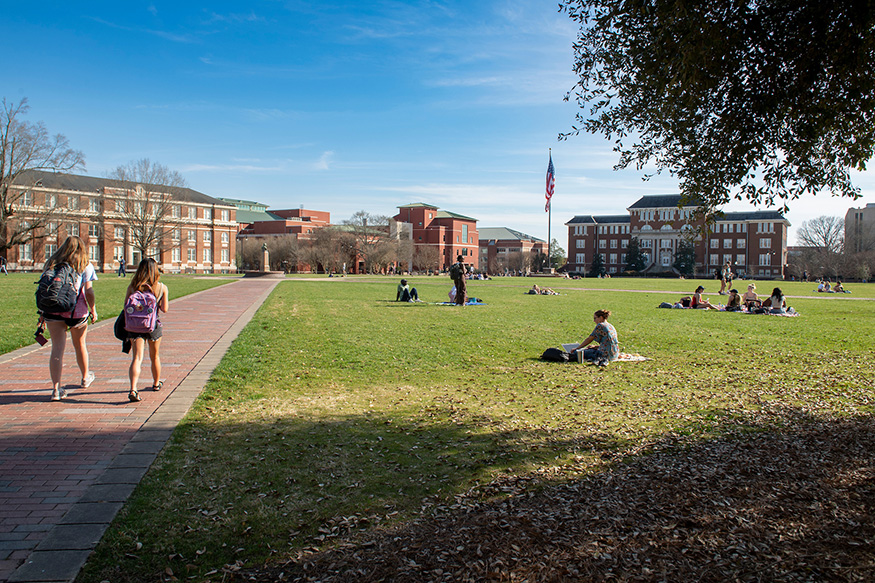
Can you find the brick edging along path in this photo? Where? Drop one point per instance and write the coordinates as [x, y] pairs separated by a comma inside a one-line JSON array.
[[66, 468]]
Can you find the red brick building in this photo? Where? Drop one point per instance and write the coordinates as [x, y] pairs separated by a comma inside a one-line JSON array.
[[505, 250], [198, 230], [755, 243], [441, 233]]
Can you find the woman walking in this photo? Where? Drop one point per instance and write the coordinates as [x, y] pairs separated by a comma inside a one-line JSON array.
[[74, 253], [145, 280]]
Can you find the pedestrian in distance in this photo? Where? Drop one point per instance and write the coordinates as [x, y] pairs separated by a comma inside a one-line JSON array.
[[74, 253], [122, 272], [3, 265], [458, 273], [147, 295]]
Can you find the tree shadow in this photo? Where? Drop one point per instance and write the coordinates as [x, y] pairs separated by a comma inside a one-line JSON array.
[[791, 504]]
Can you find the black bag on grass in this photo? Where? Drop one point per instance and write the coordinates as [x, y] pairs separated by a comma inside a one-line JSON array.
[[555, 355]]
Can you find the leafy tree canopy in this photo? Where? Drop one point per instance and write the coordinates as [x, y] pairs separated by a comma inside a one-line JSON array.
[[763, 100]]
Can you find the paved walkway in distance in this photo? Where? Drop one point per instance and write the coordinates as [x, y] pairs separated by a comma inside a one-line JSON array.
[[66, 468]]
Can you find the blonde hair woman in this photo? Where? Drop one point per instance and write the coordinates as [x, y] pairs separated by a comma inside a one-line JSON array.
[[146, 280], [74, 253]]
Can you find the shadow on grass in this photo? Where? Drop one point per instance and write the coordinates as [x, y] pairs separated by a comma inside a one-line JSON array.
[[789, 505], [223, 492]]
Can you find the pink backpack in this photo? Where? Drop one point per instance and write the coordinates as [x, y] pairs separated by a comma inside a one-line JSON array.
[[141, 312]]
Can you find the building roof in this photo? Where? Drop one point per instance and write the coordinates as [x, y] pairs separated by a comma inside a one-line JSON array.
[[752, 216], [414, 205], [599, 219], [659, 201], [244, 216], [89, 184], [449, 215], [504, 234]]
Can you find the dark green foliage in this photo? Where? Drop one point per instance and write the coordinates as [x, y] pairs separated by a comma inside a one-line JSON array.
[[761, 100], [685, 257], [635, 260]]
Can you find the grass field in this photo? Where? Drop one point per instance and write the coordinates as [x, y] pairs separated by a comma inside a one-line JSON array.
[[338, 411], [18, 318]]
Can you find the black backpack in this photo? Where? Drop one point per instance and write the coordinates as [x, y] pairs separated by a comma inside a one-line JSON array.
[[56, 290], [455, 271], [555, 355]]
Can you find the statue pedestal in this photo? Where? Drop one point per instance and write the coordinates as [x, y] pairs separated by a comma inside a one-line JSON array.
[[265, 261]]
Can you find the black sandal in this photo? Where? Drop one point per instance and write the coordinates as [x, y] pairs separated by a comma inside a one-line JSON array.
[[158, 386], [134, 396]]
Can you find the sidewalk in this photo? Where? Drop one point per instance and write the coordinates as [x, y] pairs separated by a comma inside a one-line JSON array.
[[66, 468]]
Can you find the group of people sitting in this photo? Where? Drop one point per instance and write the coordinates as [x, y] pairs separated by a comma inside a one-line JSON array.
[[747, 302], [824, 286]]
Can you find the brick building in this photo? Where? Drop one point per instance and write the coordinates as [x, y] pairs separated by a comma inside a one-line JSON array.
[[503, 249], [755, 243], [198, 231], [439, 234]]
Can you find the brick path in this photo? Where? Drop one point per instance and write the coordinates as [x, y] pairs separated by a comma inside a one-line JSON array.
[[67, 467]]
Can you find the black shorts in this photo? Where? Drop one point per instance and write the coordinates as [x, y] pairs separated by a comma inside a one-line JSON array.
[[153, 335], [70, 322]]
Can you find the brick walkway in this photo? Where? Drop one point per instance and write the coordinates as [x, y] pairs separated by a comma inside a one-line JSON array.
[[67, 467]]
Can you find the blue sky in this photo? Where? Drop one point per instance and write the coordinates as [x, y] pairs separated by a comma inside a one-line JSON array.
[[340, 106]]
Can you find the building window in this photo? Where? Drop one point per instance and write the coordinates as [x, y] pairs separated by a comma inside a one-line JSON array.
[[208, 214], [175, 211], [118, 252], [94, 205], [208, 236], [73, 229], [739, 260], [715, 244], [94, 253], [52, 228], [666, 260], [613, 257], [26, 252], [727, 259], [580, 258], [713, 259], [175, 234], [226, 215], [740, 243], [225, 237], [119, 233], [208, 256], [624, 243], [74, 203], [226, 256], [192, 213], [765, 243], [580, 244], [93, 230], [191, 235], [765, 259], [51, 201], [727, 243], [613, 243], [602, 243], [50, 249], [192, 254], [176, 255], [665, 244]]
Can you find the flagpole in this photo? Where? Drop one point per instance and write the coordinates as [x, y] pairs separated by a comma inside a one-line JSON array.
[[549, 219]]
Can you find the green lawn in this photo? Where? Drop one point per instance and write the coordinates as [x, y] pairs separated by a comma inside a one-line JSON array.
[[337, 410], [18, 318]]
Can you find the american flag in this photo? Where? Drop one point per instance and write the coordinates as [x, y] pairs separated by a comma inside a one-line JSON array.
[[551, 182]]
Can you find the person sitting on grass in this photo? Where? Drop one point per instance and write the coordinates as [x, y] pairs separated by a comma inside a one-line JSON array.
[[606, 336], [776, 303], [751, 301], [406, 293], [733, 303], [700, 303]]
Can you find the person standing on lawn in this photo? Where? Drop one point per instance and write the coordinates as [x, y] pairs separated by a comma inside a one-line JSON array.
[[458, 274]]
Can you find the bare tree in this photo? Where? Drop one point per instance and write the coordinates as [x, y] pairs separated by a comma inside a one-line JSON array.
[[148, 191], [368, 235], [823, 233], [426, 258], [249, 253], [25, 147], [326, 249], [283, 252]]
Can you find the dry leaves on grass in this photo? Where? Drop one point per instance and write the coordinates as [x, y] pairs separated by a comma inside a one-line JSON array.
[[774, 506]]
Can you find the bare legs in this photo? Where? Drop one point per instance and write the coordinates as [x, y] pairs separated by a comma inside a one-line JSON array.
[[137, 353], [58, 333]]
